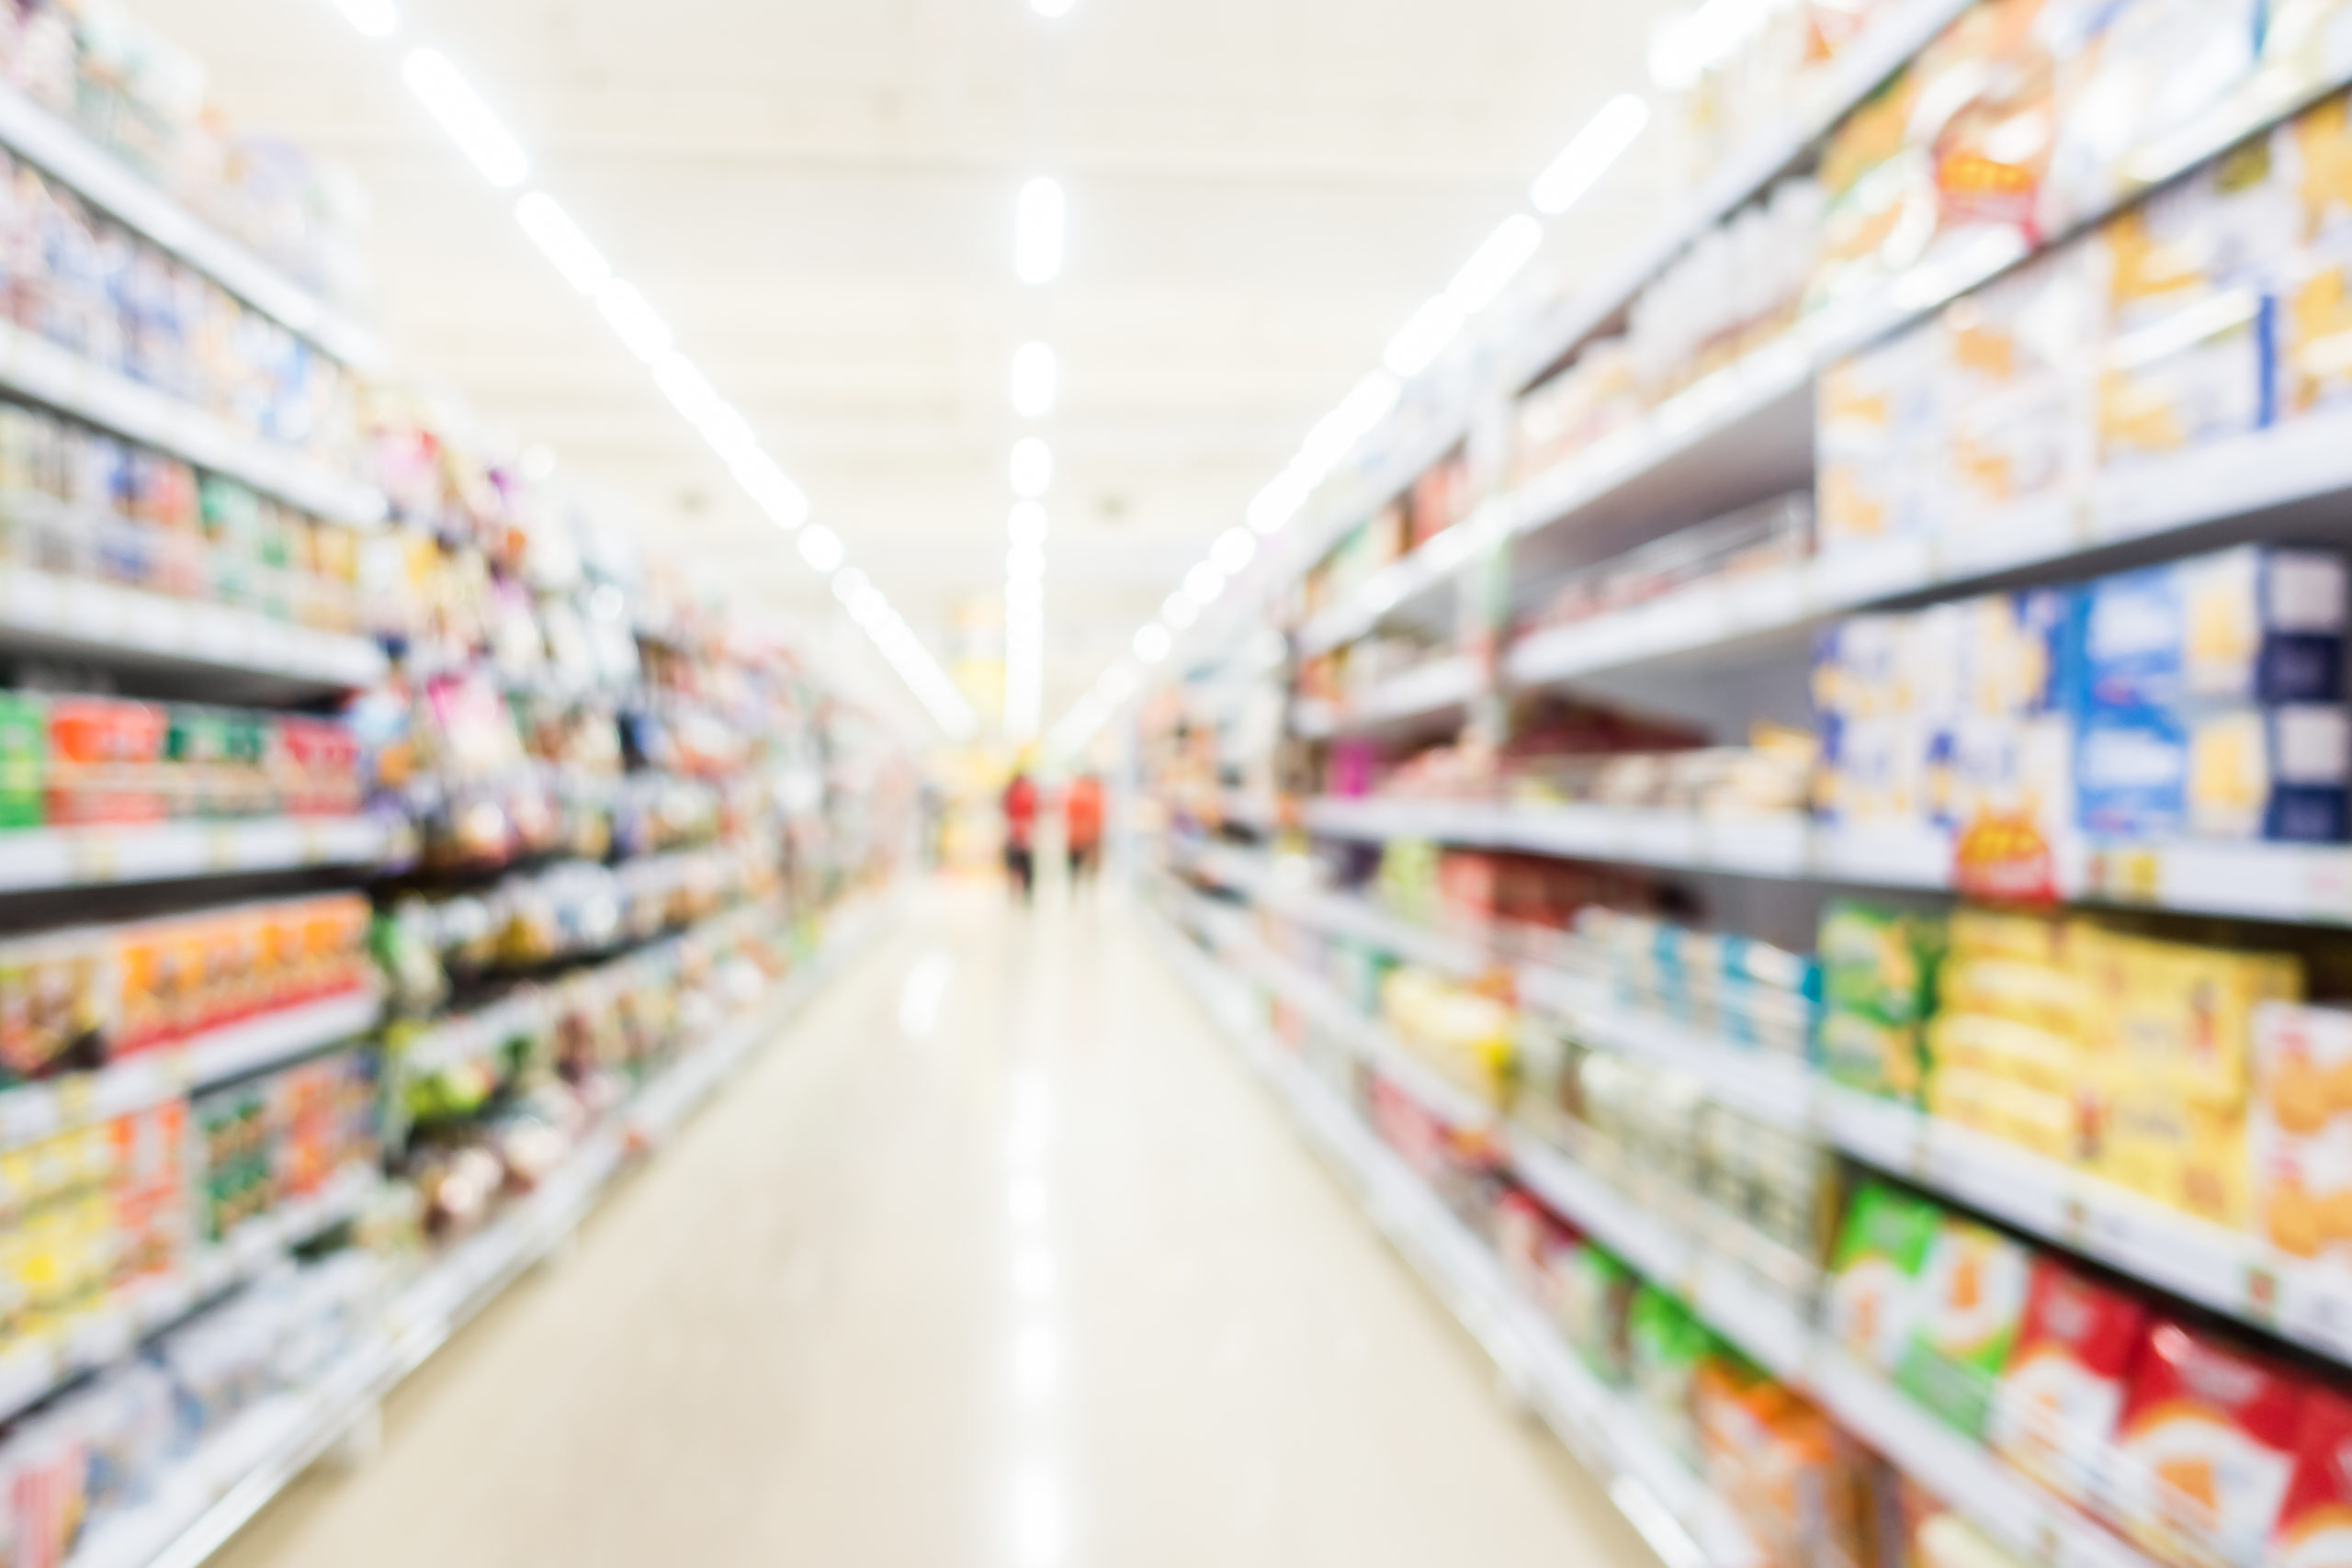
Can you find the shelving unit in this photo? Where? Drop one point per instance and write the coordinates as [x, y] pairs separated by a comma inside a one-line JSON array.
[[79, 618], [44, 859], [65, 155]]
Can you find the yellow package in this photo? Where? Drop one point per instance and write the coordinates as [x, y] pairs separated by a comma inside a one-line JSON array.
[[2039, 1121], [2178, 1016], [2183, 1152], [2004, 1048]]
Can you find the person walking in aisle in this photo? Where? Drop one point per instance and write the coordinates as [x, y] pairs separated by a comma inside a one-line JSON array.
[[1020, 832], [1082, 826]]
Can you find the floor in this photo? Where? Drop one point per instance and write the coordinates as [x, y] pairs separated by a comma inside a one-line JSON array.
[[997, 1257]]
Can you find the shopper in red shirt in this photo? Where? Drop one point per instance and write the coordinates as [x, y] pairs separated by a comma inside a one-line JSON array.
[[1020, 831], [1082, 824]]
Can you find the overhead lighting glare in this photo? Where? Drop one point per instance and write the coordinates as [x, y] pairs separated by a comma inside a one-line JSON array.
[[1028, 524], [1277, 503], [1583, 160], [1366, 404], [1153, 643], [821, 548], [850, 585], [1494, 264], [633, 321], [1422, 338], [1204, 583], [1032, 467], [1180, 610], [372, 18], [1024, 563], [1682, 51], [1037, 232], [1234, 550], [560, 239], [478, 133], [1034, 375]]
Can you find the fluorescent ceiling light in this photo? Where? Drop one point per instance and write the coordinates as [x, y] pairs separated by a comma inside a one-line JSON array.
[[1180, 610], [1152, 643], [1234, 549], [560, 239], [1682, 51], [1366, 404], [1037, 232], [633, 321], [849, 583], [1028, 524], [821, 548], [1025, 562], [1024, 593], [1422, 338], [1581, 162], [782, 501], [478, 135], [1032, 467], [714, 419], [1204, 583], [1033, 380], [1277, 503], [1494, 264], [373, 19]]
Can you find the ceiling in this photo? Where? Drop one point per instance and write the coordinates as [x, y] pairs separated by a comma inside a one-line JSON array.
[[820, 199]]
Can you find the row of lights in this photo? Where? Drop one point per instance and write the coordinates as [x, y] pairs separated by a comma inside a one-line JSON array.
[[1414, 347], [501, 159], [1039, 216]]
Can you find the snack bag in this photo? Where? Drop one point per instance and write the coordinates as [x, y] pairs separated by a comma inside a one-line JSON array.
[[1877, 975], [2205, 1448], [1798, 1485], [1970, 1296], [2055, 1408], [1874, 1293]]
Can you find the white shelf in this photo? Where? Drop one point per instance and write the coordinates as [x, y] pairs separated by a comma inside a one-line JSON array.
[[87, 619], [65, 155], [32, 1373], [1666, 1501], [236, 1474], [1444, 686], [2306, 883], [35, 369], [29, 1112], [43, 859]]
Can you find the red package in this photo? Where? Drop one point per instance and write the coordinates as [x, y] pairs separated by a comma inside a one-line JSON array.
[[2058, 1400], [2314, 1528], [2206, 1448], [104, 757]]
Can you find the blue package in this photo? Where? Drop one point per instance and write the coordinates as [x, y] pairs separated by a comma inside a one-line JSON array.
[[2256, 623], [2276, 774], [2132, 774]]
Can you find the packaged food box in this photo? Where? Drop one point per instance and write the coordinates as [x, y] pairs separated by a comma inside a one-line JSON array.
[[1664, 1346], [2020, 406], [1878, 979], [1794, 1482], [2179, 1014], [24, 758], [1874, 1293], [2258, 624], [1971, 1295], [2301, 1130], [2057, 1402], [2205, 1447], [1595, 1293], [2314, 1527]]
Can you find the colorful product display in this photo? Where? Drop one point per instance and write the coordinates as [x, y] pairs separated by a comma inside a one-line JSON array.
[[72, 761]]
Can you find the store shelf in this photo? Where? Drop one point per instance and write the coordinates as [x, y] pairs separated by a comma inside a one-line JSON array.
[[29, 1112], [1446, 686], [107, 181], [75, 617], [40, 370], [234, 1475], [2310, 884], [1664, 1499], [32, 1373], [37, 860]]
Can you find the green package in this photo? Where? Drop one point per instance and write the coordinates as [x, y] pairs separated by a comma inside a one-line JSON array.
[[1874, 1284], [1878, 986], [1665, 1346], [24, 758], [1971, 1298], [1596, 1291]]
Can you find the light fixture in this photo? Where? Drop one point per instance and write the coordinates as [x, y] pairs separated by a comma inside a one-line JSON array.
[[1033, 380], [1152, 643], [1366, 404], [1584, 160], [821, 548], [1024, 563], [1234, 550], [1037, 232], [1032, 467], [1028, 524], [478, 133], [625, 310], [1422, 338], [1024, 593], [372, 18], [1180, 610], [1204, 583], [560, 239], [1277, 503], [1494, 264], [1681, 51], [850, 585]]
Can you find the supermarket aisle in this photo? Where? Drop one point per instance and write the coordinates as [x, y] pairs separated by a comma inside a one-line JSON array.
[[1000, 1257]]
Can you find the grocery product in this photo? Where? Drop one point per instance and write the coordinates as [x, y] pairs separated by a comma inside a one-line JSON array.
[[2258, 624], [2314, 1525], [2301, 1130], [1875, 1298], [2205, 1447], [1665, 1346], [2054, 1410], [1595, 1296], [1970, 1295], [1878, 978], [1796, 1483]]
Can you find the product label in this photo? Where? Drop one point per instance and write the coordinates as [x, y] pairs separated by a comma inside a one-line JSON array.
[[2005, 858]]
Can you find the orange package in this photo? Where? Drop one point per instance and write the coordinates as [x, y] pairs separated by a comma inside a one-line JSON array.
[[1794, 1480]]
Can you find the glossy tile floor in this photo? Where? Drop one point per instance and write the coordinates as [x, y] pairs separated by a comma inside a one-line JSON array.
[[997, 1257]]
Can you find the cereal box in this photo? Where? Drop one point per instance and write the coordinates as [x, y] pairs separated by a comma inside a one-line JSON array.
[[1971, 1295], [2055, 1408], [2205, 1448]]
